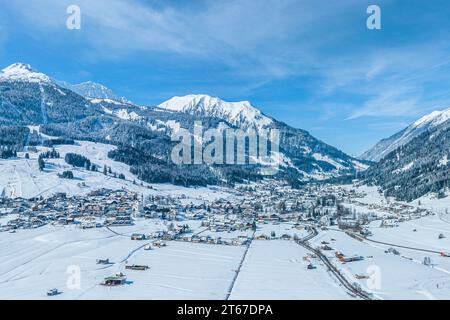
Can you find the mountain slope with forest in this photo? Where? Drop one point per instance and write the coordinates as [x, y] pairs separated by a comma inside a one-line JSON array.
[[142, 134]]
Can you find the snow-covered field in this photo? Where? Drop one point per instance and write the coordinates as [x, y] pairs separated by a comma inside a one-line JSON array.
[[402, 276], [392, 276], [280, 229], [276, 270], [34, 261], [421, 233], [22, 178]]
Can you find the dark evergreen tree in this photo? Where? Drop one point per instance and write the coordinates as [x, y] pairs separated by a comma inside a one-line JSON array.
[[66, 175], [41, 163], [77, 160]]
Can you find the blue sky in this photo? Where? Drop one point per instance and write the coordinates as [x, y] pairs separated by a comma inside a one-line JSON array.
[[312, 64]]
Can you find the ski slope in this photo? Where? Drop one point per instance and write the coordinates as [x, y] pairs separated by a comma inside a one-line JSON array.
[[21, 177]]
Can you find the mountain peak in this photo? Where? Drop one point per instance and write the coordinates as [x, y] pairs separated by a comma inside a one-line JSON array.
[[241, 112], [385, 146], [93, 90], [19, 67], [22, 72], [434, 118]]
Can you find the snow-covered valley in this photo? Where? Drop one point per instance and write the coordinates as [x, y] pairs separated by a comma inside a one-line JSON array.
[[268, 264]]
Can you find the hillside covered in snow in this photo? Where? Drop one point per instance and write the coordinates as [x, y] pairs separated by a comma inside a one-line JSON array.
[[385, 146], [143, 134]]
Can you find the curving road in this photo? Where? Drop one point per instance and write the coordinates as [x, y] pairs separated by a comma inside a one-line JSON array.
[[362, 238], [354, 290]]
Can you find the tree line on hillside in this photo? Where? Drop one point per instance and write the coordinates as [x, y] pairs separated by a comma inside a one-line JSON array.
[[415, 169], [77, 160], [51, 154], [50, 143], [6, 153]]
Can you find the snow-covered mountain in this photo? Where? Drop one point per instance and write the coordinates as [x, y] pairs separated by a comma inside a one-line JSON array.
[[28, 96], [242, 113], [419, 167], [414, 161], [31, 98], [302, 152], [385, 146], [93, 90], [22, 72]]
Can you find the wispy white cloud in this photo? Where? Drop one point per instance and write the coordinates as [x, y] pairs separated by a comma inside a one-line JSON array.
[[393, 102], [262, 41], [403, 81], [271, 38]]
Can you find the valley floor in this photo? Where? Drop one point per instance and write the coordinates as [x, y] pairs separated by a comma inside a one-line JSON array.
[[276, 270], [34, 261]]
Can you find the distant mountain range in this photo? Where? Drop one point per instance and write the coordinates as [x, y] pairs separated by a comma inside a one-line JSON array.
[[410, 164], [90, 111], [92, 90]]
